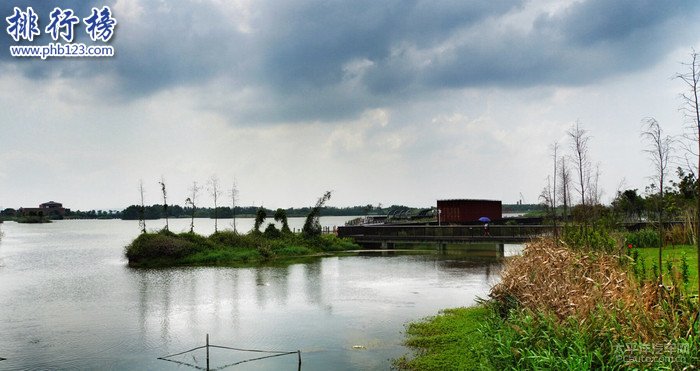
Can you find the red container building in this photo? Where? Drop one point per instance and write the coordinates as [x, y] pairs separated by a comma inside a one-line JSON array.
[[468, 211]]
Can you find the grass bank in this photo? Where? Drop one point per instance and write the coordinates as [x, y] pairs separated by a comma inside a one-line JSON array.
[[561, 307], [165, 248], [455, 339]]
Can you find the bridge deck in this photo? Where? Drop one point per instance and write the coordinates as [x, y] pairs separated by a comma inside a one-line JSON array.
[[442, 234]]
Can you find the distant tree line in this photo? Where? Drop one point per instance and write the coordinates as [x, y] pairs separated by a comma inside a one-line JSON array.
[[522, 208], [156, 211], [11, 214]]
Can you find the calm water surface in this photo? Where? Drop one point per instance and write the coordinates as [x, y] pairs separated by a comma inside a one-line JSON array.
[[70, 302]]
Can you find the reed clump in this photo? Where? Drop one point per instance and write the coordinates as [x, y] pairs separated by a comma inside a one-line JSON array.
[[590, 306]]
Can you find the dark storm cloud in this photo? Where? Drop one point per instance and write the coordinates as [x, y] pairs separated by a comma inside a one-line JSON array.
[[598, 21], [309, 42], [326, 60], [588, 41], [176, 44]]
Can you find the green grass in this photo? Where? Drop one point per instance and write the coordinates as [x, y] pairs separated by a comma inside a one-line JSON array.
[[477, 338], [453, 340], [674, 254]]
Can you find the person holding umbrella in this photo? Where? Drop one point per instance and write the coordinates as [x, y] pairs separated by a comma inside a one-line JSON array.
[[486, 221]]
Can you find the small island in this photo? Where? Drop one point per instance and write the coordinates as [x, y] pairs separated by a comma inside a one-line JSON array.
[[229, 248]]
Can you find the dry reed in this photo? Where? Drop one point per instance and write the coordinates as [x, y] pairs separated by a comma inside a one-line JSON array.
[[593, 289]]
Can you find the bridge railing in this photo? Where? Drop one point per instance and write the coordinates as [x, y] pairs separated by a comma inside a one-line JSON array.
[[445, 231]]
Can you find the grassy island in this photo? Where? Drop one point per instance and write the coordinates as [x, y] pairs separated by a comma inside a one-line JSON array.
[[227, 248]]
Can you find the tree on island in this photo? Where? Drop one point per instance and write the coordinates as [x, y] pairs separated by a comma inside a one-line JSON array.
[[165, 201], [142, 209], [234, 198], [215, 192], [281, 216], [192, 202], [260, 216], [312, 225]]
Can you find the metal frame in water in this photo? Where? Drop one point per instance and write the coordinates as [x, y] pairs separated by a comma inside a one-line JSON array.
[[274, 353]]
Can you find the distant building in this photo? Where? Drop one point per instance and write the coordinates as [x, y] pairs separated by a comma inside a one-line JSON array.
[[47, 209], [468, 211]]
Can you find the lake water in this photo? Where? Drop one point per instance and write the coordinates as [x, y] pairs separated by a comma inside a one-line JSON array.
[[69, 301]]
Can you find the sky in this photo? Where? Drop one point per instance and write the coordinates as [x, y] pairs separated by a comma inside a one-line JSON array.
[[391, 102]]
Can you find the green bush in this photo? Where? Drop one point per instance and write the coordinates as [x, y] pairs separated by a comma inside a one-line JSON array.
[[646, 237], [272, 232], [161, 245], [580, 236]]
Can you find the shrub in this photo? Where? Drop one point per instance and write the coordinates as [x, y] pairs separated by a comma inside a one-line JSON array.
[[591, 238], [272, 232], [646, 237], [159, 245]]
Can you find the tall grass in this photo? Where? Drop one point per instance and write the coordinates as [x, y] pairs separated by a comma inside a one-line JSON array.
[[578, 308]]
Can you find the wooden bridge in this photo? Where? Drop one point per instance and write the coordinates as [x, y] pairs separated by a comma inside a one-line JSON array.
[[387, 236]]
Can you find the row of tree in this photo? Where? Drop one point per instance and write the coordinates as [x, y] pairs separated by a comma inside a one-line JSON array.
[[312, 225], [662, 200], [155, 211]]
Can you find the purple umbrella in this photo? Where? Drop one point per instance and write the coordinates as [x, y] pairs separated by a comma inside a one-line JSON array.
[[484, 219]]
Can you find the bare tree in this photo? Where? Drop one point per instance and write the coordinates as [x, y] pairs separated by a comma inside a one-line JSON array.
[[215, 192], [547, 196], [165, 201], [555, 149], [592, 182], [691, 109], [565, 188], [659, 150], [192, 201], [142, 209], [580, 158], [234, 199]]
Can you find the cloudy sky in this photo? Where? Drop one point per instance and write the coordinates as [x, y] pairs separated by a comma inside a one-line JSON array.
[[391, 101]]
